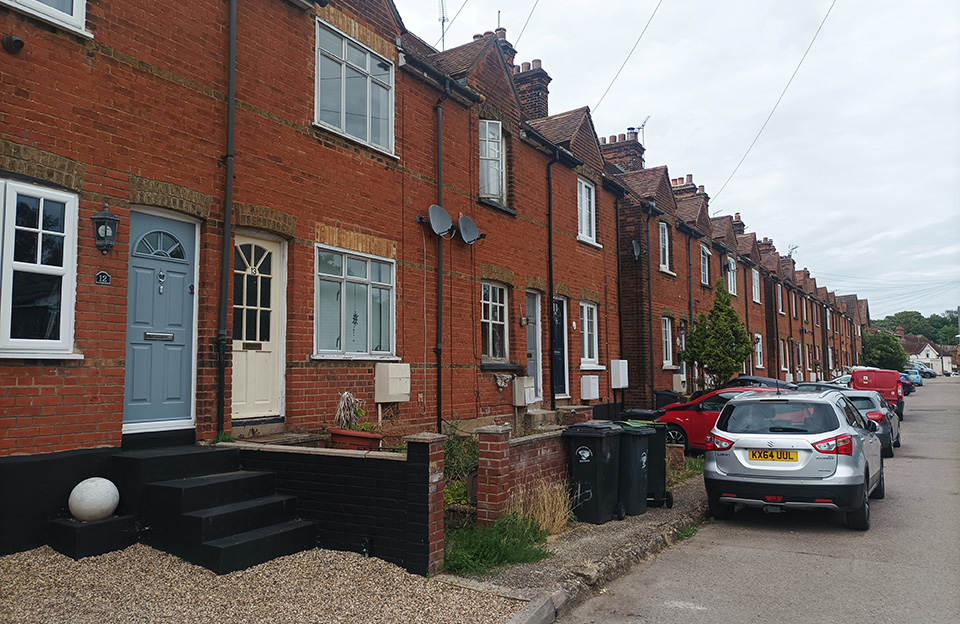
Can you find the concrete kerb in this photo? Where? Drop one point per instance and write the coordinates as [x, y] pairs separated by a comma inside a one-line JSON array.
[[580, 579]]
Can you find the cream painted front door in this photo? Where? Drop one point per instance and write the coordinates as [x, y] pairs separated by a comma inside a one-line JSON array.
[[258, 311]]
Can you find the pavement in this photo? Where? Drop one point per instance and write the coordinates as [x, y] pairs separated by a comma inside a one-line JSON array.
[[588, 556]]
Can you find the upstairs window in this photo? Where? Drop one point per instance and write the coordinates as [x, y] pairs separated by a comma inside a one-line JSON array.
[[803, 304], [756, 286], [664, 246], [704, 265], [493, 323], [586, 211], [784, 356], [70, 13], [732, 275], [492, 184], [38, 272], [354, 90], [828, 314], [758, 350], [780, 298]]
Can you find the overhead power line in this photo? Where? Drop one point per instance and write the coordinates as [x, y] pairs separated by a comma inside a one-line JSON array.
[[782, 93], [450, 23], [526, 22], [629, 55]]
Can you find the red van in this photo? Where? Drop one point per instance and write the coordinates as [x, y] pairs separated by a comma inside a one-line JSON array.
[[886, 382]]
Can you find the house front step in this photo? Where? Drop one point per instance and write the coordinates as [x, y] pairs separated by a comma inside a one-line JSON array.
[[233, 518], [168, 499], [236, 552]]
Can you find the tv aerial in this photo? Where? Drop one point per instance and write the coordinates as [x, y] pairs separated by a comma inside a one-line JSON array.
[[792, 249]]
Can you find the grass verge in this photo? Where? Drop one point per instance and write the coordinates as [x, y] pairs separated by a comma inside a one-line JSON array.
[[693, 468], [511, 539]]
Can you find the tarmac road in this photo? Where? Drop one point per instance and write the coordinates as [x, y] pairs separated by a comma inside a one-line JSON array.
[[807, 565]]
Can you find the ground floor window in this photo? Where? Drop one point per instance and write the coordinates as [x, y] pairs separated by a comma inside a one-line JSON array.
[[588, 333], [38, 273], [493, 322]]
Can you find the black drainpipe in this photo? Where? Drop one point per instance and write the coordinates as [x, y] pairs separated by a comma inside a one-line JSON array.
[[227, 222], [616, 213], [438, 350], [690, 277], [746, 310], [653, 398], [550, 292]]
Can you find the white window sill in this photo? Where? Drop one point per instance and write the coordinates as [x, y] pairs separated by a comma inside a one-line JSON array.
[[33, 355], [591, 366], [757, 366], [562, 396], [670, 367], [359, 357], [589, 241], [353, 139], [667, 271], [781, 313], [74, 28]]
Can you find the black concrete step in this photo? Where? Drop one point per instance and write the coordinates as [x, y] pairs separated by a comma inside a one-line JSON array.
[[166, 500], [236, 552], [233, 518], [132, 470]]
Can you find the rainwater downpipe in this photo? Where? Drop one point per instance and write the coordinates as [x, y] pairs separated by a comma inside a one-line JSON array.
[[550, 292], [653, 397], [690, 279], [227, 221], [438, 350]]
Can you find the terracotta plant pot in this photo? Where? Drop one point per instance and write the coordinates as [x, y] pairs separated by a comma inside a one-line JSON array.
[[356, 440]]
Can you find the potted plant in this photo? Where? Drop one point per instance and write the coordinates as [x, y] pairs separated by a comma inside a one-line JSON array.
[[352, 431]]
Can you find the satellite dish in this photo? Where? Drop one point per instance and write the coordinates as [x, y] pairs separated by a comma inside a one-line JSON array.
[[636, 249], [469, 230], [439, 220]]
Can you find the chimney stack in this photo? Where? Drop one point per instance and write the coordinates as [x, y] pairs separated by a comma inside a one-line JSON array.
[[625, 150], [738, 226], [509, 53], [531, 83]]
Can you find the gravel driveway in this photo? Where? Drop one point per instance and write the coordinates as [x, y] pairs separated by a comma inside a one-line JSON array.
[[141, 584]]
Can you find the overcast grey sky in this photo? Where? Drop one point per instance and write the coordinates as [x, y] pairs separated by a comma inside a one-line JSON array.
[[859, 166]]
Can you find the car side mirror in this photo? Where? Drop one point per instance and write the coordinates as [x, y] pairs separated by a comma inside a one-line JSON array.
[[872, 426]]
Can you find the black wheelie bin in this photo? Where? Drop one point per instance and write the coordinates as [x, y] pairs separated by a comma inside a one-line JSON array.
[[594, 471], [634, 443]]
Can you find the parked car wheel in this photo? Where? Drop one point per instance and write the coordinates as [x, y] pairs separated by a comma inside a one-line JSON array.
[[676, 435], [859, 518], [896, 442], [887, 452], [881, 490]]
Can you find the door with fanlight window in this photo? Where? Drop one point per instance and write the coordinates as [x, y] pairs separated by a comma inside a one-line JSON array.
[[258, 311]]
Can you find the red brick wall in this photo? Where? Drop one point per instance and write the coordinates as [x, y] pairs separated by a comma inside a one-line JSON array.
[[511, 466]]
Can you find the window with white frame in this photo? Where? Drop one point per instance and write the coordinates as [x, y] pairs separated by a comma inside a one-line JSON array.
[[666, 334], [809, 359], [732, 275], [704, 265], [492, 170], [355, 304], [758, 350], [828, 314], [756, 285], [784, 355], [586, 211], [664, 246], [816, 315], [71, 13], [798, 356], [779, 298], [354, 89], [803, 304], [793, 304], [38, 272], [494, 339], [830, 358], [588, 334]]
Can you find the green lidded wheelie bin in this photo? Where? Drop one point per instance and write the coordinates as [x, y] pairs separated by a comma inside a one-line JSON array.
[[634, 444], [594, 471], [657, 494]]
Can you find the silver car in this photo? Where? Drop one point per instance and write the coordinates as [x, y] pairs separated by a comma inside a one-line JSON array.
[[874, 407], [794, 450]]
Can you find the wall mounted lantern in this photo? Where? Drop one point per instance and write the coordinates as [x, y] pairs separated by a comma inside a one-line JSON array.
[[105, 225]]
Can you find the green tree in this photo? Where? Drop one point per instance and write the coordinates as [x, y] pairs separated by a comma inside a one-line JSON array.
[[883, 350], [719, 342], [911, 321]]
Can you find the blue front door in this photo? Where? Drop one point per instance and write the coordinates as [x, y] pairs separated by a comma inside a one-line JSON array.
[[160, 319]]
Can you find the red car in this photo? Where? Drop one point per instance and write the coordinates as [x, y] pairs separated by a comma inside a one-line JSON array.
[[689, 423]]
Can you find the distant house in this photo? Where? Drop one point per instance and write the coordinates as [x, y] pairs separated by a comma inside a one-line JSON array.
[[921, 349]]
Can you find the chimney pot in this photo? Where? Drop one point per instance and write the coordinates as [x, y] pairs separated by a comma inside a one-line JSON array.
[[516, 69], [700, 189], [603, 140], [501, 33], [536, 64], [631, 134], [613, 138], [631, 129], [736, 216], [477, 36], [689, 178], [622, 137], [489, 32], [525, 66]]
